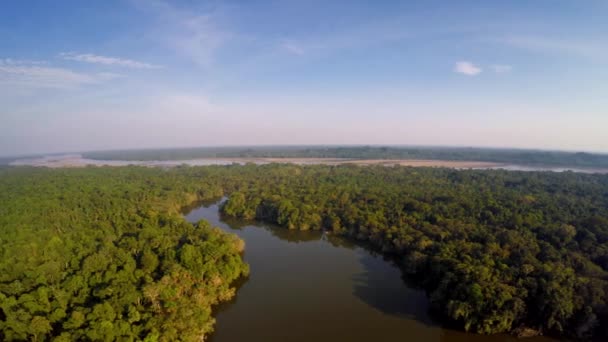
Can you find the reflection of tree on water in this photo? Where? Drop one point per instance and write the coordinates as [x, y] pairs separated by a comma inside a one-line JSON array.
[[376, 287], [199, 204], [293, 236]]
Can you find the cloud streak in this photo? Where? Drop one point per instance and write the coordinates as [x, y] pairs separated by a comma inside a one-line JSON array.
[[195, 35], [581, 48], [293, 48], [350, 37], [10, 61], [467, 68], [114, 61], [501, 68], [39, 75]]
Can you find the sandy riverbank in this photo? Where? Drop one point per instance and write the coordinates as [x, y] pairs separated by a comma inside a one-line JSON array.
[[78, 161]]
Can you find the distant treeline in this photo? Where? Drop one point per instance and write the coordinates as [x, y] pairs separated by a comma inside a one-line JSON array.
[[508, 156]]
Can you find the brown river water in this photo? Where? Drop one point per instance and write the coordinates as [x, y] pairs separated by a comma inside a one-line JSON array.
[[311, 286]]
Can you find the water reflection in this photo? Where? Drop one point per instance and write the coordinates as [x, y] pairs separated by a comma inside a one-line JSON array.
[[290, 236], [389, 298]]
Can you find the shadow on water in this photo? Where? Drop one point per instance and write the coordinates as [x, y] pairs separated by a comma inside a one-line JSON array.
[[205, 204], [290, 236], [376, 287], [373, 287]]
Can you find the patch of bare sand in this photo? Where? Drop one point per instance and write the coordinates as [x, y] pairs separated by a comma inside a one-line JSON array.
[[77, 161], [427, 163], [385, 162]]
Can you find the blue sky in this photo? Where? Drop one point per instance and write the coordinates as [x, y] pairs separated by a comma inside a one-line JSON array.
[[87, 75]]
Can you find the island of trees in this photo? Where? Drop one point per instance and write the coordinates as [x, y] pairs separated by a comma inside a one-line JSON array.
[[103, 253]]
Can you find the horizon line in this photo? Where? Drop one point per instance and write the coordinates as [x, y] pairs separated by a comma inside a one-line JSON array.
[[524, 149]]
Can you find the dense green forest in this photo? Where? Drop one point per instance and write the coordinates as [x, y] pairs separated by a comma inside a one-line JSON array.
[[103, 253], [508, 156]]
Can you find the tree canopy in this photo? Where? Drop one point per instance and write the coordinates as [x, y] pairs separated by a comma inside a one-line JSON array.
[[103, 254]]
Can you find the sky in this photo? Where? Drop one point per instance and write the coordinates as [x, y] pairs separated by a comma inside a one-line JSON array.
[[116, 74]]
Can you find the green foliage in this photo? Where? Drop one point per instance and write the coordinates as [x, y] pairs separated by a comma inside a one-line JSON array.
[[99, 254]]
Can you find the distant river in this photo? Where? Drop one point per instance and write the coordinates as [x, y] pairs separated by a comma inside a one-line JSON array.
[[310, 286]]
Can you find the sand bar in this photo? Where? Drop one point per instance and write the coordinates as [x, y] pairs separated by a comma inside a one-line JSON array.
[[74, 160]]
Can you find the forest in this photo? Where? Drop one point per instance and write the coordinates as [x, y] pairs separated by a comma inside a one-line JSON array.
[[507, 156], [103, 253]]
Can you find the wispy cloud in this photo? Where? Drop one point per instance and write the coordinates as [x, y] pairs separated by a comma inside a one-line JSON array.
[[501, 68], [195, 35], [292, 47], [39, 75], [107, 76], [351, 37], [10, 61], [576, 47], [96, 59], [467, 68], [198, 39]]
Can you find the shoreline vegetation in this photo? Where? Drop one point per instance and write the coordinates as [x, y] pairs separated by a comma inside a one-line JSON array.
[[104, 253]]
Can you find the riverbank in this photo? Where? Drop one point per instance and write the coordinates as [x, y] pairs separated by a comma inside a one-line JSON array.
[[76, 161]]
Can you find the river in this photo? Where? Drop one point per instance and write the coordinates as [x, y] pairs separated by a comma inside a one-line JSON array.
[[312, 286]]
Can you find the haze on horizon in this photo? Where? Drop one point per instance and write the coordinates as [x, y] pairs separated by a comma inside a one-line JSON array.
[[78, 76]]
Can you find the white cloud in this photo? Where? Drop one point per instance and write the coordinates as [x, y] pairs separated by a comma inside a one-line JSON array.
[[582, 48], [363, 35], [96, 59], [192, 104], [467, 68], [39, 75], [196, 36], [106, 76], [293, 47], [198, 39], [10, 61], [501, 68]]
